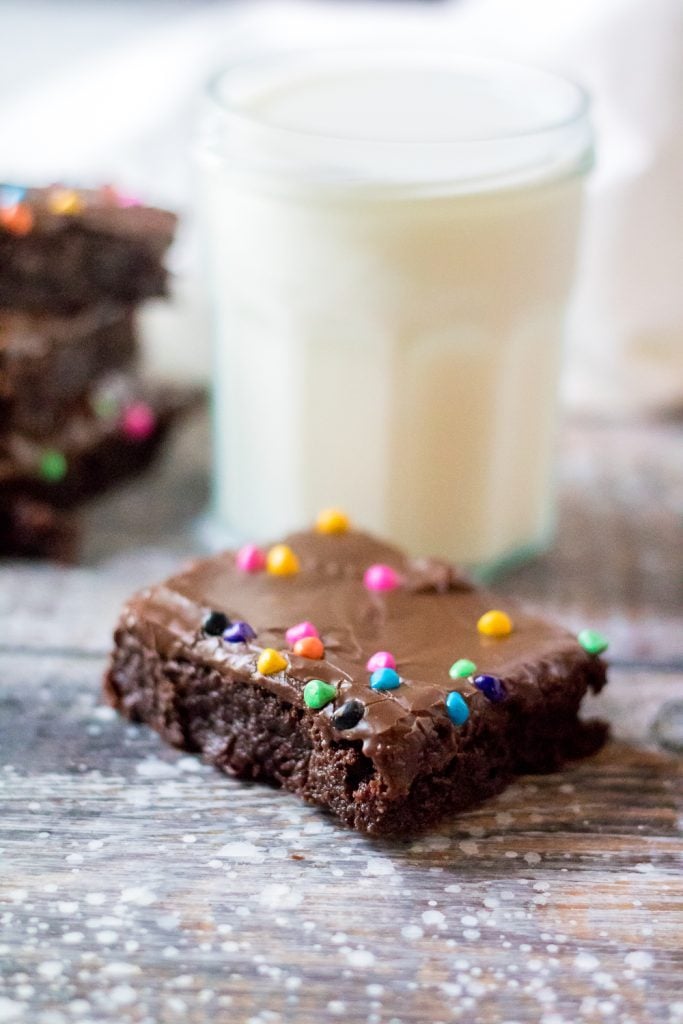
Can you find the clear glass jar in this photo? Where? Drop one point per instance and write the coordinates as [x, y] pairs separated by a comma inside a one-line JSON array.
[[391, 240]]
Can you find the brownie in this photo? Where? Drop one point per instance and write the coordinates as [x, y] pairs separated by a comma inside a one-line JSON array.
[[116, 437], [204, 659], [34, 529], [48, 362], [62, 249]]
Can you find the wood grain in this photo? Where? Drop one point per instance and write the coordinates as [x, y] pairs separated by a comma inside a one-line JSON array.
[[137, 885]]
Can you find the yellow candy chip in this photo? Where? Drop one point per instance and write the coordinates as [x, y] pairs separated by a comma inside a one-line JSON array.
[[332, 520], [495, 623], [281, 561], [65, 200], [270, 661]]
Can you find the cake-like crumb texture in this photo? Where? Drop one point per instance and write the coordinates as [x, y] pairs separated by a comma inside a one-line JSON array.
[[405, 764], [66, 259], [34, 529], [49, 363]]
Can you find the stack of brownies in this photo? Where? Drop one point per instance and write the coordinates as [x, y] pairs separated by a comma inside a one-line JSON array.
[[75, 417]]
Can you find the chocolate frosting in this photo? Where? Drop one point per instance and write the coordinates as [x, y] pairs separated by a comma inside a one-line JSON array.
[[427, 623], [101, 214]]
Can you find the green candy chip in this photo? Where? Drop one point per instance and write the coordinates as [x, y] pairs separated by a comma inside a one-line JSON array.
[[318, 693], [592, 641], [462, 668], [107, 407], [52, 466]]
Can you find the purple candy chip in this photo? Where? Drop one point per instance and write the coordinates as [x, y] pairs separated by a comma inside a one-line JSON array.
[[492, 687], [239, 633]]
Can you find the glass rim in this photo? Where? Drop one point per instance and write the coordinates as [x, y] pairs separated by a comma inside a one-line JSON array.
[[454, 61]]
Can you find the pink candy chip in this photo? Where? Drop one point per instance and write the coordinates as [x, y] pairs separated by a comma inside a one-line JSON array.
[[113, 196], [382, 659], [381, 577], [298, 632], [125, 201], [250, 559], [138, 422]]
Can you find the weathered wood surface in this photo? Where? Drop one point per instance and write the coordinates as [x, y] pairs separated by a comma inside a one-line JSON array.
[[139, 886]]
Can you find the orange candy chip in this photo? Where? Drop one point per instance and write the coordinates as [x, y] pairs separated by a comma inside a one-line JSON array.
[[17, 219], [310, 647], [110, 195]]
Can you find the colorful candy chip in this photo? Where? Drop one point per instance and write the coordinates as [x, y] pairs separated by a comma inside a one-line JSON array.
[[348, 715], [456, 707], [281, 561], [11, 195], [114, 197], [380, 659], [250, 558], [109, 195], [65, 201], [592, 641], [298, 632], [495, 623], [106, 406], [381, 577], [310, 647], [492, 687], [332, 520], [318, 693], [270, 661], [126, 201], [216, 623], [239, 633], [138, 422], [52, 466], [462, 668], [18, 220], [385, 679]]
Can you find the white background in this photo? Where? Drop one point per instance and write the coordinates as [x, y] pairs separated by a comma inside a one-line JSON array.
[[107, 91]]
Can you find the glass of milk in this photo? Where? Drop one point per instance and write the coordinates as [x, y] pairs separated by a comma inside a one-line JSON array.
[[391, 244]]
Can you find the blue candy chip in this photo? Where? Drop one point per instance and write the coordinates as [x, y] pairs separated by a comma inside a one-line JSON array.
[[10, 195], [385, 679], [457, 708]]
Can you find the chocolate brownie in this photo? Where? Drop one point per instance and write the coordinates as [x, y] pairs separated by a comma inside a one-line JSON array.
[[114, 438], [48, 362], [373, 684], [63, 249]]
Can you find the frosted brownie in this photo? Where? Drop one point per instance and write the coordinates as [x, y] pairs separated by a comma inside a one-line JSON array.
[[112, 436], [278, 667], [48, 362], [62, 249]]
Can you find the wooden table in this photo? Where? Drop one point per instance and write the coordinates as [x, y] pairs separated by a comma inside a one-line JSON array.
[[140, 886]]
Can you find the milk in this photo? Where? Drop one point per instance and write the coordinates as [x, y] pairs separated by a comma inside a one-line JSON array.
[[389, 291]]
